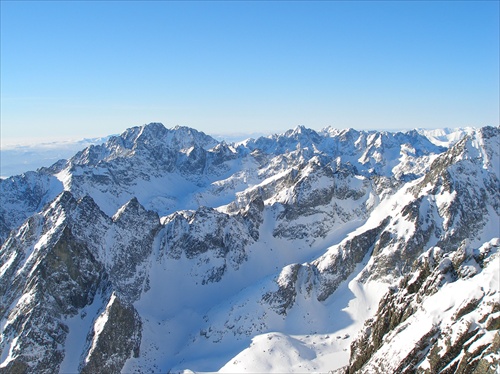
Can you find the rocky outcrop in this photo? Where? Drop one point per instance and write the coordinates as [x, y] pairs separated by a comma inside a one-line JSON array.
[[60, 262], [464, 339], [21, 196], [324, 275], [55, 286], [116, 337], [337, 265], [215, 241]]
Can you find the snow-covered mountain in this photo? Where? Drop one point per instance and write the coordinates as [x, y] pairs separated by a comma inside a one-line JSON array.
[[18, 157], [340, 250], [446, 136]]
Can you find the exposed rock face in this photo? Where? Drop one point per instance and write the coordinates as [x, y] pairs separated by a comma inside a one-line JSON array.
[[334, 268], [465, 339], [54, 285], [323, 275], [213, 240], [60, 261], [116, 337], [282, 299], [163, 245], [22, 196], [326, 195], [458, 342]]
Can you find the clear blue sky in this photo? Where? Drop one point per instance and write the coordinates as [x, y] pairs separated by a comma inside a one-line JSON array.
[[94, 68]]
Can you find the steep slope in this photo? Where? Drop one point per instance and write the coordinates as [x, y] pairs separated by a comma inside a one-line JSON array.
[[156, 165], [445, 309], [21, 196], [442, 318], [64, 260]]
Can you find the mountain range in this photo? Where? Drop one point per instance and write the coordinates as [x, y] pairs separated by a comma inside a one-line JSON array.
[[343, 251]]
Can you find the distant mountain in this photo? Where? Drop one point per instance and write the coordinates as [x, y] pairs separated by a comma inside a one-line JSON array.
[[163, 250], [16, 159], [446, 137]]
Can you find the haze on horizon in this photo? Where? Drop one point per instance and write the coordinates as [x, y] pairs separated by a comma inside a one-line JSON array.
[[91, 69]]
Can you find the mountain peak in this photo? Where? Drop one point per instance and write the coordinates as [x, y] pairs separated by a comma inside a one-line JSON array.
[[300, 131]]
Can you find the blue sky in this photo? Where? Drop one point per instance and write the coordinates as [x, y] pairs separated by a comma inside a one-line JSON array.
[[88, 68]]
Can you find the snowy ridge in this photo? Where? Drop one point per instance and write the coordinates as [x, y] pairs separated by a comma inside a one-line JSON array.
[[166, 250], [169, 170], [446, 137]]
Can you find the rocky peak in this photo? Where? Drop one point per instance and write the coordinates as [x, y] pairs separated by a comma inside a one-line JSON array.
[[177, 138], [455, 334], [302, 134], [151, 140], [133, 211]]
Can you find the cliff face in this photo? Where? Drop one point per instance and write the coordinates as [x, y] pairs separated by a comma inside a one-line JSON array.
[[442, 318], [443, 315], [61, 261]]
